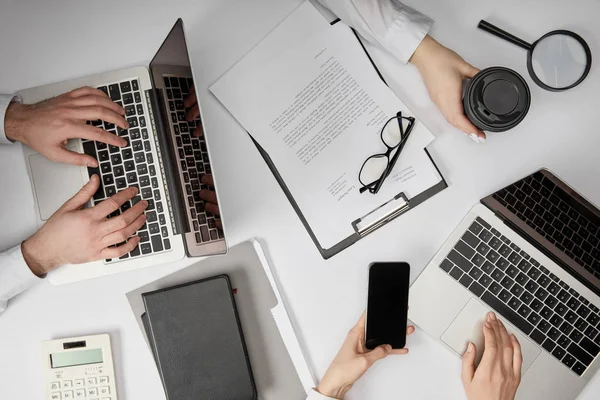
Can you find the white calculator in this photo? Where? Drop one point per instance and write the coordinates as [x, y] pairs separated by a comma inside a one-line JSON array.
[[79, 368]]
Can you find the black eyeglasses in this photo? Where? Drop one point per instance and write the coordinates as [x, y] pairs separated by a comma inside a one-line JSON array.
[[377, 168]]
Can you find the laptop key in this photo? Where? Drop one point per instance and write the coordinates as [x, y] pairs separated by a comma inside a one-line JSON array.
[[146, 248], [578, 368], [475, 288], [526, 297], [553, 334], [531, 286], [551, 301], [534, 319], [541, 294], [495, 288], [506, 282], [512, 271], [573, 304], [556, 320], [468, 237], [125, 87], [536, 305], [517, 290], [114, 92], [544, 326], [475, 228], [558, 353], [553, 288], [465, 279], [157, 243], [487, 267], [475, 273], [135, 252], [206, 238], [485, 280], [537, 336], [566, 328]]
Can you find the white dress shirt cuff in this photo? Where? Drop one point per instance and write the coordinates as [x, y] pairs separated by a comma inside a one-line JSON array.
[[314, 395], [406, 33], [5, 101], [15, 275]]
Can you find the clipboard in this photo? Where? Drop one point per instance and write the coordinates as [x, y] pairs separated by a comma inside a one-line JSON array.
[[373, 220]]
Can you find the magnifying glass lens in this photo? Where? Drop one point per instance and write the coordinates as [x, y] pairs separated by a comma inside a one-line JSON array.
[[559, 60]]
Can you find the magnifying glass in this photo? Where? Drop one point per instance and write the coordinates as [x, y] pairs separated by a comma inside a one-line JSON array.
[[558, 61]]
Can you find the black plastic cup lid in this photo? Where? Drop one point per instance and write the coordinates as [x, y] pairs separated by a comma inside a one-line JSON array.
[[497, 99]]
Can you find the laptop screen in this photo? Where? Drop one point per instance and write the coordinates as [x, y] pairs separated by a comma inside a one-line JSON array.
[[181, 135]]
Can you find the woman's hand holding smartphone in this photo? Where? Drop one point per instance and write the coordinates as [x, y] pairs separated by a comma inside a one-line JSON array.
[[353, 360]]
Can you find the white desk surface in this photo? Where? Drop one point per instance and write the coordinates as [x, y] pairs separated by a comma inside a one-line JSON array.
[[44, 41]]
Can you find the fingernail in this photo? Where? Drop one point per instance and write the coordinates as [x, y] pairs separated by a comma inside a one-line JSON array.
[[470, 347], [482, 139], [135, 190], [388, 349], [145, 203], [492, 316], [474, 137], [92, 165]]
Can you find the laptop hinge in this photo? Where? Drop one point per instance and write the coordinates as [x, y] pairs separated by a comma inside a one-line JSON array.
[[165, 158]]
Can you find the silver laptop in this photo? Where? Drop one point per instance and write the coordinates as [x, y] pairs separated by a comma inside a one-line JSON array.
[[163, 159], [531, 253]]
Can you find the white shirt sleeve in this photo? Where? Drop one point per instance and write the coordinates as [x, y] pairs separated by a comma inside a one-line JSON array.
[[314, 395], [5, 100], [394, 26], [15, 275]]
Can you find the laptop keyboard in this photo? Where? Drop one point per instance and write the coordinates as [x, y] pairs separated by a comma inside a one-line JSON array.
[[132, 165], [557, 216], [525, 293], [192, 157]]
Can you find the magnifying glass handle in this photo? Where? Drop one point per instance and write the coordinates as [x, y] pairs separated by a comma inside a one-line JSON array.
[[494, 30]]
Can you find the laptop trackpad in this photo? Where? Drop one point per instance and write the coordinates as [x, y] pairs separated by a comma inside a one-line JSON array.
[[54, 183], [468, 326]]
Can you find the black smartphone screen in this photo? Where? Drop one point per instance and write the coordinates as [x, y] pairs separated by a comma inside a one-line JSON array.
[[387, 304]]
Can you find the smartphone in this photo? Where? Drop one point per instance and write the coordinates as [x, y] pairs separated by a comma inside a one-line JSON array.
[[387, 304]]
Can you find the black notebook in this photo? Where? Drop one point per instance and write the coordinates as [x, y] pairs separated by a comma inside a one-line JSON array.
[[197, 341]]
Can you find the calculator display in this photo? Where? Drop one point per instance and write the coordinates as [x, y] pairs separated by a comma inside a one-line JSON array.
[[74, 358]]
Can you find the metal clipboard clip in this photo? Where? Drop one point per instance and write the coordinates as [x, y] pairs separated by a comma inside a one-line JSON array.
[[382, 215]]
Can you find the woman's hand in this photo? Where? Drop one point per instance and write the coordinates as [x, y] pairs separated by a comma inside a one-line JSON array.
[[499, 373], [353, 360], [443, 72]]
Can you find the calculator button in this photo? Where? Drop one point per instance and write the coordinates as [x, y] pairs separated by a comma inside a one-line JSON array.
[[68, 395], [67, 384], [79, 383], [55, 396], [91, 381], [103, 380], [92, 391], [80, 394], [55, 386], [104, 391]]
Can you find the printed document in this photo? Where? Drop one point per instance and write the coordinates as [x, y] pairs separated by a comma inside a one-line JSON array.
[[317, 108]]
